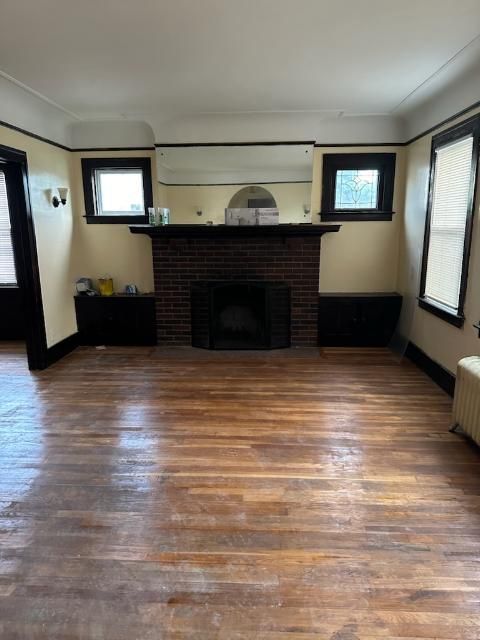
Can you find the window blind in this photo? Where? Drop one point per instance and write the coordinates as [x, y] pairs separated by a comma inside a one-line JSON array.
[[7, 263], [450, 201]]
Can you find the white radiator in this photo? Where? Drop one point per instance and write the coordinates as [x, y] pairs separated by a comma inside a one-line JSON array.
[[466, 402]]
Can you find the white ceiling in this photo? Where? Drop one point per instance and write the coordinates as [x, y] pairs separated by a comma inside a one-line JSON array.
[[111, 58]]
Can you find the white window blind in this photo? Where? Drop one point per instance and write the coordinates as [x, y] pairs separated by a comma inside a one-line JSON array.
[[7, 263], [448, 217]]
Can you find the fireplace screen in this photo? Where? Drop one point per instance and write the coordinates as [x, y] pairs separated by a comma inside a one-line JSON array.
[[240, 315]]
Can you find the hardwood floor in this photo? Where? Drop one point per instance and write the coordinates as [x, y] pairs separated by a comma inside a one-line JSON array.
[[151, 494]]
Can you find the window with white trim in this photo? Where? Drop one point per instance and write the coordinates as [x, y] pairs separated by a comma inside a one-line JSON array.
[[7, 262], [449, 221]]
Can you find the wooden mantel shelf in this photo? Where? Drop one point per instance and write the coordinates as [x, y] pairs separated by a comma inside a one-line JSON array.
[[226, 231]]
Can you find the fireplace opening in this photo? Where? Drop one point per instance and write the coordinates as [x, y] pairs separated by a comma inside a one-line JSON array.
[[240, 315]]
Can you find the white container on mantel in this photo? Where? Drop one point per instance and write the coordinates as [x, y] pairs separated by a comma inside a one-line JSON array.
[[268, 216], [251, 217]]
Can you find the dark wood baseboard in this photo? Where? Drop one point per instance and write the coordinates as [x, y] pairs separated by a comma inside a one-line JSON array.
[[62, 348], [435, 371]]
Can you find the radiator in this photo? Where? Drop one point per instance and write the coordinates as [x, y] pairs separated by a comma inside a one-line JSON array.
[[466, 402]]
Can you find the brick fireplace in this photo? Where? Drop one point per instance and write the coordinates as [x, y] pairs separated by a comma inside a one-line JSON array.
[[186, 254]]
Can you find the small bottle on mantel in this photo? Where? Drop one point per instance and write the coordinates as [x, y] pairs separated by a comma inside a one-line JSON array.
[[162, 216], [151, 215], [165, 215]]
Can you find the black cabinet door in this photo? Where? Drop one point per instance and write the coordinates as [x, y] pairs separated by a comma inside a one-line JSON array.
[[12, 316], [349, 320], [377, 320], [337, 321], [116, 320]]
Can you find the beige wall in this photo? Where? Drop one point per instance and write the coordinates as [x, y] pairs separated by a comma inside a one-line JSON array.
[[50, 167], [101, 249], [161, 192], [184, 200], [362, 256], [443, 342]]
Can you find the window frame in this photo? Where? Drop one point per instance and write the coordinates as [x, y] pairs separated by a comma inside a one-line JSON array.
[[384, 163], [468, 127], [91, 165]]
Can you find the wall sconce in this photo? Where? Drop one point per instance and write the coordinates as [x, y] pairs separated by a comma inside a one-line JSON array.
[[61, 198], [199, 211], [306, 209]]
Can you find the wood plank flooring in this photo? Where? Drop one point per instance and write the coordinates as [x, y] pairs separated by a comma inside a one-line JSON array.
[[290, 495]]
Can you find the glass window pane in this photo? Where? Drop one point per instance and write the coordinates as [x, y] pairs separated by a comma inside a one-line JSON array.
[[7, 262], [448, 220], [356, 189], [120, 192]]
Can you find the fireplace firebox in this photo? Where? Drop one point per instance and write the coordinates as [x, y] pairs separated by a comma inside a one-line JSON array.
[[240, 315]]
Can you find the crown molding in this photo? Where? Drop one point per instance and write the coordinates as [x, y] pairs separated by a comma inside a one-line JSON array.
[[39, 95], [428, 131], [35, 136], [451, 118], [87, 149]]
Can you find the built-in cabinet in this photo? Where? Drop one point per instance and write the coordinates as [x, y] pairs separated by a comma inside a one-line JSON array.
[[357, 319], [12, 316], [116, 320]]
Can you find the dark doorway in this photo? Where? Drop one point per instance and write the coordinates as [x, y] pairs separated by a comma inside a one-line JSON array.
[[26, 290], [241, 315]]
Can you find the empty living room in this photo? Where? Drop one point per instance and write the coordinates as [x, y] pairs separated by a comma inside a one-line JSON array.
[[239, 320]]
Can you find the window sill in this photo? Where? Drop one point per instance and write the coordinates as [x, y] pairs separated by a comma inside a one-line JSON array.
[[116, 219], [357, 216], [456, 319]]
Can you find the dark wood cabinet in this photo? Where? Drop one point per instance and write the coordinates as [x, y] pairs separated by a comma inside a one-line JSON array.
[[116, 320], [357, 319], [12, 315]]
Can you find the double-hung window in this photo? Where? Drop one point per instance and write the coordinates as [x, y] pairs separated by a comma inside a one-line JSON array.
[[449, 221], [117, 190], [7, 261]]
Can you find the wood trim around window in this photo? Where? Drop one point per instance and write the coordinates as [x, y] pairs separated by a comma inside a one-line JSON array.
[[89, 165], [383, 162], [471, 126]]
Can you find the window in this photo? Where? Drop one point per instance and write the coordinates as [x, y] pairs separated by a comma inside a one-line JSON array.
[[358, 186], [117, 190], [7, 261], [449, 221], [356, 189]]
